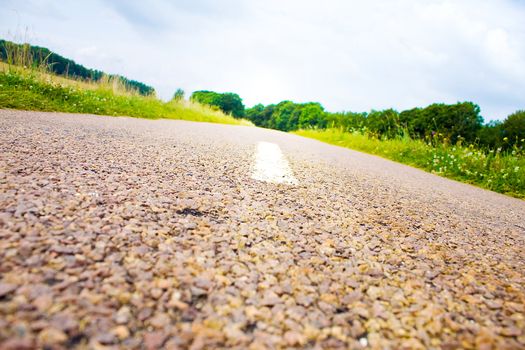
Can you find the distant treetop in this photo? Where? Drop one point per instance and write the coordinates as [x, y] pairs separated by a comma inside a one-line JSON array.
[[228, 102]]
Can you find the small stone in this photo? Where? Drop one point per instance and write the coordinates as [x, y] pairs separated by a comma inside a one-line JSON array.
[[363, 341], [233, 332], [510, 332], [154, 340], [190, 225], [270, 299], [304, 300], [287, 288], [25, 250], [521, 339], [374, 292], [164, 283], [121, 332], [39, 325], [203, 283], [432, 274], [6, 288], [494, 304], [80, 259], [485, 339], [144, 313], [176, 302], [64, 321], [43, 302], [361, 311], [18, 344], [293, 338], [156, 293], [51, 336], [160, 320], [106, 338], [124, 298], [198, 291], [123, 315], [352, 283], [63, 249]]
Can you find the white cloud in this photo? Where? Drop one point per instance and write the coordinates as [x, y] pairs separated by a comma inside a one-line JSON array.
[[348, 55]]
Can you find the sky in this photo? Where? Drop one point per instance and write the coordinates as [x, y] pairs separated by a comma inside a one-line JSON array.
[[348, 55]]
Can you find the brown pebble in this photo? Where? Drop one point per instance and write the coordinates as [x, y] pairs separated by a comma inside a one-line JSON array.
[[51, 336], [121, 332], [43, 302], [6, 288], [494, 304], [18, 344], [154, 340], [160, 320], [156, 293]]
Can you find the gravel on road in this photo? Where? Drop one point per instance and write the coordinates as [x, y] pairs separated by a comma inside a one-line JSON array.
[[132, 233]]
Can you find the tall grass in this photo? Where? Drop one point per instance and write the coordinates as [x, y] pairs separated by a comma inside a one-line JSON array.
[[495, 170], [26, 86]]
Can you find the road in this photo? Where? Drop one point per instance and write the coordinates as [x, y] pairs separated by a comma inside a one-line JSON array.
[[133, 233]]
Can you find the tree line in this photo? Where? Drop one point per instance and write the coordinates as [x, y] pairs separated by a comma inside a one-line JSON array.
[[452, 123], [438, 122], [36, 56]]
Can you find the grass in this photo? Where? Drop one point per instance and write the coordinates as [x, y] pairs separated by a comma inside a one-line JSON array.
[[35, 89], [495, 170]]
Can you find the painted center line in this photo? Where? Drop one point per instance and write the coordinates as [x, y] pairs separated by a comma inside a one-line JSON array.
[[271, 165]]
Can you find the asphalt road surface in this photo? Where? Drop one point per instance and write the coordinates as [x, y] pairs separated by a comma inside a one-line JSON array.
[[133, 233]]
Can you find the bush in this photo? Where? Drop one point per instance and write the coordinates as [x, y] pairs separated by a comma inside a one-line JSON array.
[[228, 102]]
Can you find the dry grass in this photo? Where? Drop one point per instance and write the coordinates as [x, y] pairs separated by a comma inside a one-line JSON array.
[[36, 89]]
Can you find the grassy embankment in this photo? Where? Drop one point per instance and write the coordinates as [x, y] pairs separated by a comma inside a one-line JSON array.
[[495, 170], [35, 89]]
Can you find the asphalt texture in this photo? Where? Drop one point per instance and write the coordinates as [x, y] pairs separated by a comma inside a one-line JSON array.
[[148, 234]]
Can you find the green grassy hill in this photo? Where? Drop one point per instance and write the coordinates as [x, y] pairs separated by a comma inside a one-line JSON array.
[[32, 90], [35, 56]]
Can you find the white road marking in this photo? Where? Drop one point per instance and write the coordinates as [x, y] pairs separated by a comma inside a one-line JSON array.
[[271, 165]]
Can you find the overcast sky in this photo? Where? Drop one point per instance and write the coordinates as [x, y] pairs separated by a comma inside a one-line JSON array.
[[346, 54]]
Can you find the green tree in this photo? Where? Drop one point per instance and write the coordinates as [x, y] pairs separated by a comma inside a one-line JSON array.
[[255, 114], [288, 116], [228, 102], [384, 123], [491, 134], [260, 115], [412, 121], [460, 121], [514, 128], [312, 115], [178, 95], [282, 115], [206, 97], [348, 121], [455, 122], [232, 104]]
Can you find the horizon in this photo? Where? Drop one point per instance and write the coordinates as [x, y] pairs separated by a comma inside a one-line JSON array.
[[403, 54]]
